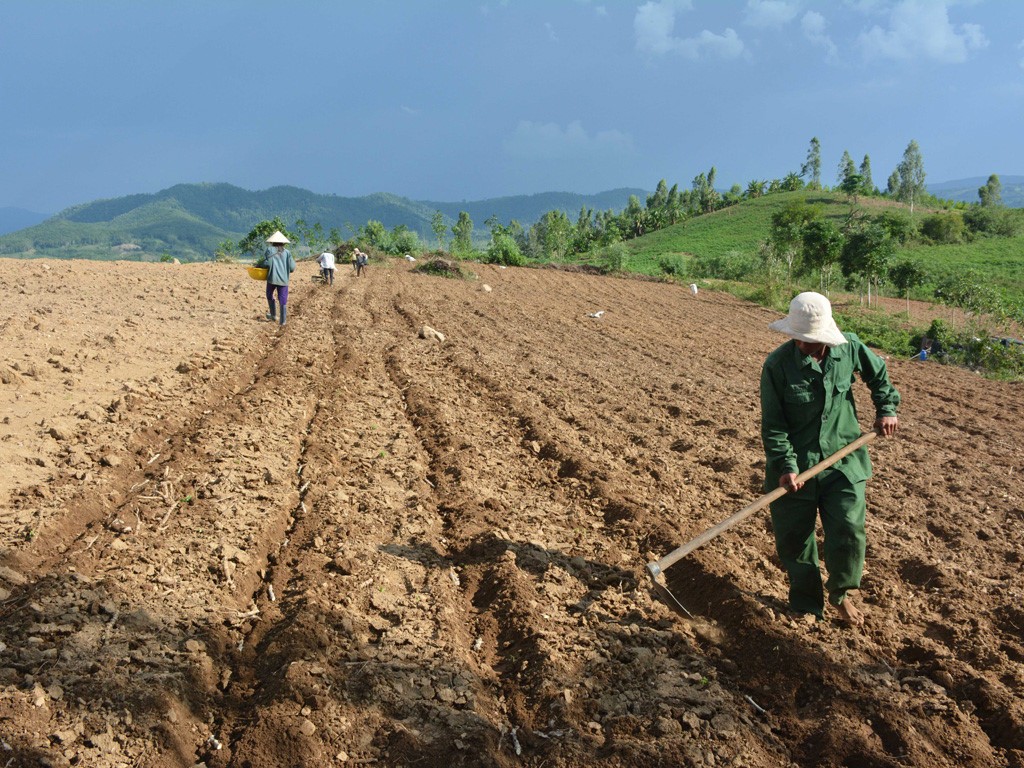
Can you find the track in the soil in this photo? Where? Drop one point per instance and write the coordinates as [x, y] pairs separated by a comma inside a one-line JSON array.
[[356, 544]]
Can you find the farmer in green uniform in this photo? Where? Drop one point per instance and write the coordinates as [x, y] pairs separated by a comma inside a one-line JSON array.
[[807, 414]]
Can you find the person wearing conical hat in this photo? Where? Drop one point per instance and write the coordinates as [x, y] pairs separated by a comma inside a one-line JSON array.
[[807, 414], [280, 265]]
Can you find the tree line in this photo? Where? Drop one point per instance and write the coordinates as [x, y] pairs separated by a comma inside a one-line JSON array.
[[557, 237]]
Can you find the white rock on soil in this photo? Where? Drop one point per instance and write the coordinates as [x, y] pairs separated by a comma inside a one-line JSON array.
[[426, 332]]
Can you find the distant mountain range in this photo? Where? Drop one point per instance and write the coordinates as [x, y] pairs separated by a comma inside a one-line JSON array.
[[188, 221], [966, 190]]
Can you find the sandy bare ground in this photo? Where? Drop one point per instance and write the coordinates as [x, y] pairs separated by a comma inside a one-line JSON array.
[[340, 543]]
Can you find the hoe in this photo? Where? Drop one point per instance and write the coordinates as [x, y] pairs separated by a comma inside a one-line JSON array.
[[655, 569]]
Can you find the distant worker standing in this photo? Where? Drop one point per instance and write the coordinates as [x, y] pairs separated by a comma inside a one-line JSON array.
[[355, 258], [807, 414], [361, 262], [280, 265], [326, 262]]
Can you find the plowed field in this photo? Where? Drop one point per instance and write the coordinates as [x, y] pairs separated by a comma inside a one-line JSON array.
[[230, 544]]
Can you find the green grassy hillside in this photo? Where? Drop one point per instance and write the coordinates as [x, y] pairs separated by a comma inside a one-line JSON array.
[[740, 229]]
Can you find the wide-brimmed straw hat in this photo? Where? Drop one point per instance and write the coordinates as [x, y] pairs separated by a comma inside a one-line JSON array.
[[277, 237], [810, 319]]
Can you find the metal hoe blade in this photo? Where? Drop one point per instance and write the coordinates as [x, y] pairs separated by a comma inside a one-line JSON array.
[[664, 592]]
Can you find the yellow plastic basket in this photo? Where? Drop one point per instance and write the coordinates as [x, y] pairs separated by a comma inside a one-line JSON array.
[[257, 273]]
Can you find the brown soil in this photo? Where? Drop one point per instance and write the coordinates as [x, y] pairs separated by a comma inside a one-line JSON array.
[[341, 543]]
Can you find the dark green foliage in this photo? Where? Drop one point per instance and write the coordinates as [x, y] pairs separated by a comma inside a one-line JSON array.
[[968, 291], [995, 221], [255, 243], [998, 356], [462, 234], [899, 226], [397, 242], [906, 275], [733, 265], [440, 267], [613, 257], [867, 252], [991, 194], [946, 227], [504, 250], [672, 266], [878, 330]]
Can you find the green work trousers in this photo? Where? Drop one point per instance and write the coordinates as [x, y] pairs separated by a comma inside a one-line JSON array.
[[794, 518]]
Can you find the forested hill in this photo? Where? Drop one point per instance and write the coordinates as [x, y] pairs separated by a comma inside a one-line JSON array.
[[188, 221]]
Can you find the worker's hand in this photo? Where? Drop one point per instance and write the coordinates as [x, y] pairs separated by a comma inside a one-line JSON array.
[[788, 481], [886, 425]]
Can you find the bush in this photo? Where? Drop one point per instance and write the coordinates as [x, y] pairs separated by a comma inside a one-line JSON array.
[[442, 268], [730, 266], [944, 227], [998, 222], [880, 331], [672, 266], [504, 250], [613, 257], [900, 227]]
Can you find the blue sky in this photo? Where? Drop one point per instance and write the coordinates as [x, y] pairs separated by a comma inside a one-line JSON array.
[[450, 101]]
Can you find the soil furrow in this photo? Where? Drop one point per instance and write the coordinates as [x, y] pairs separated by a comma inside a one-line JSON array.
[[455, 532]]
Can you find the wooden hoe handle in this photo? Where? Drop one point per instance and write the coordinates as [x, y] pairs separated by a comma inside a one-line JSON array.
[[677, 554]]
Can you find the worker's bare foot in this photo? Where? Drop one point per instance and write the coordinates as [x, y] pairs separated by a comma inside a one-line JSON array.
[[848, 613]]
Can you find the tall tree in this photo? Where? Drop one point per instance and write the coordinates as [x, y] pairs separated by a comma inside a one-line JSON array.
[[555, 229], [634, 219], [867, 184], [812, 165], [893, 184], [867, 253], [255, 243], [785, 237], [846, 169], [440, 229], [910, 173], [992, 193], [906, 275], [822, 245], [462, 231]]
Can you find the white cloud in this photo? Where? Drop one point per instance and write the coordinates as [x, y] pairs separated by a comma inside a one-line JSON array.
[[552, 36], [921, 28], [549, 141], [813, 26], [654, 24], [409, 110], [770, 13]]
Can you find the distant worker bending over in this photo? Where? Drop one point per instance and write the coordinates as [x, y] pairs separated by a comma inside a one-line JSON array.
[[326, 262]]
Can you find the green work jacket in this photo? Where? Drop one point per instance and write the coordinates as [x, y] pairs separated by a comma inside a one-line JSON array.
[[808, 411]]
